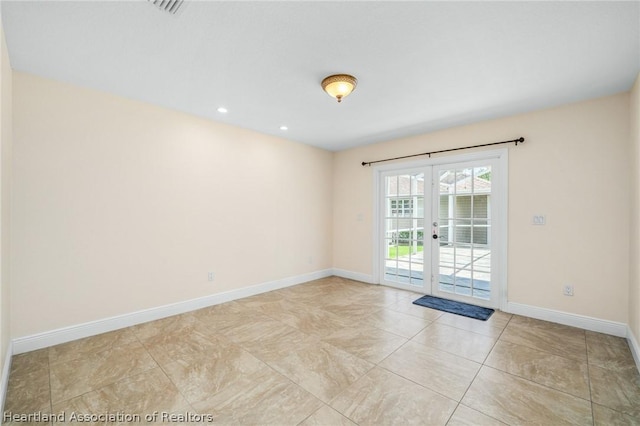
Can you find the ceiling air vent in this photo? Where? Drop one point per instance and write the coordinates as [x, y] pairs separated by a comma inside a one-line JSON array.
[[170, 6]]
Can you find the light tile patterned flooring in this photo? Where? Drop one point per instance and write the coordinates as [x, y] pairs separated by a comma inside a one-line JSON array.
[[337, 352]]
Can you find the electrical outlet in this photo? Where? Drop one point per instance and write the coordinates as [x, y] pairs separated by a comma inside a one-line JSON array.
[[539, 219], [567, 290], [210, 276]]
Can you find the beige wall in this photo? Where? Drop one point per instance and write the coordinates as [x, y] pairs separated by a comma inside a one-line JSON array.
[[634, 247], [6, 141], [573, 168], [120, 206]]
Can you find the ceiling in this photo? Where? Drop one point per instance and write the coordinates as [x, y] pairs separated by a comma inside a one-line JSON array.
[[421, 66]]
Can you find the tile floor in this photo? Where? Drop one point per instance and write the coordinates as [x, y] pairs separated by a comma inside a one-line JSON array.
[[334, 352]]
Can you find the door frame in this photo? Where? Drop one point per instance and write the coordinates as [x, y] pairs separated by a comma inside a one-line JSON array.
[[499, 208]]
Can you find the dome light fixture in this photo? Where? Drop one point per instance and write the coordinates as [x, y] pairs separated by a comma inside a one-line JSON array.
[[339, 85]]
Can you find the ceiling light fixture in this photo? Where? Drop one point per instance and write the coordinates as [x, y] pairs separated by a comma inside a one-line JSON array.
[[339, 85], [222, 110], [284, 128]]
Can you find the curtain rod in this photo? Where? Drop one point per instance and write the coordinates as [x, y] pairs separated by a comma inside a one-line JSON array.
[[516, 141]]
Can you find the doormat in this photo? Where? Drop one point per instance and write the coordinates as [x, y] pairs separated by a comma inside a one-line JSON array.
[[453, 307]]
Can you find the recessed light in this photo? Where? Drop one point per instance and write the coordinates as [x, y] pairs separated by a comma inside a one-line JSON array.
[[222, 110], [284, 128]]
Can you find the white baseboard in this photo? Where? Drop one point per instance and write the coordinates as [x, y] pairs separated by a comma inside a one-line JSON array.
[[4, 380], [356, 276], [635, 349], [67, 334], [588, 323]]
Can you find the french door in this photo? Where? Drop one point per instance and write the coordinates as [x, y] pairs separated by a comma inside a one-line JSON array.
[[442, 229]]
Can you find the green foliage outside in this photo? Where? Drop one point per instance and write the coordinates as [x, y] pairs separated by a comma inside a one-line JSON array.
[[408, 235], [486, 176], [399, 251]]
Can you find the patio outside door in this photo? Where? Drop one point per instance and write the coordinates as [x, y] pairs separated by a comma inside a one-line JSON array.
[[438, 230], [404, 210]]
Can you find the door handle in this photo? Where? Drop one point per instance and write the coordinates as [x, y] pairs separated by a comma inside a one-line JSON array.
[[435, 236]]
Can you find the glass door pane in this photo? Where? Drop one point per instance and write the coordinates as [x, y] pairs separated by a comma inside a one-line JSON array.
[[403, 233], [462, 256]]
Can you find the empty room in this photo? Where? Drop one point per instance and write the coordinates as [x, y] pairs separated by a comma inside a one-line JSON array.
[[320, 212]]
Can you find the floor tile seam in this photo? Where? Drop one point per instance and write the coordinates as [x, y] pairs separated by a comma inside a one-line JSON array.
[[83, 356], [347, 318], [610, 339], [498, 338], [309, 335], [538, 384], [630, 368], [407, 314], [284, 323], [50, 391], [147, 351], [593, 417], [44, 363], [554, 333], [472, 331], [177, 388], [289, 379], [475, 409], [479, 409], [25, 377], [502, 338], [209, 397], [614, 409], [412, 315], [475, 376], [434, 349], [338, 394], [542, 384], [74, 397], [324, 404], [105, 385], [310, 414], [336, 317], [448, 352], [394, 351], [420, 384], [453, 412], [469, 331], [572, 360], [133, 331], [343, 352], [349, 351], [404, 337]]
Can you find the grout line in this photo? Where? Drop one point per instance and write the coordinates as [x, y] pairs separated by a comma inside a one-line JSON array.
[[358, 322], [586, 350], [50, 389], [482, 364]]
